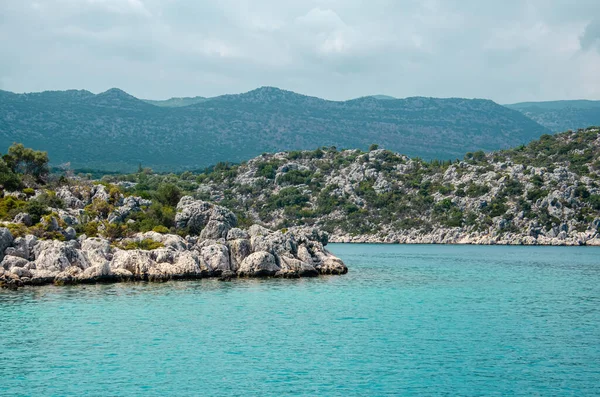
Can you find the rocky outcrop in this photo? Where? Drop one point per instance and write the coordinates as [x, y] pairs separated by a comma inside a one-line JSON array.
[[257, 252], [204, 218]]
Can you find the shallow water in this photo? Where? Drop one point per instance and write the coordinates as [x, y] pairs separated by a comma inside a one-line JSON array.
[[410, 320]]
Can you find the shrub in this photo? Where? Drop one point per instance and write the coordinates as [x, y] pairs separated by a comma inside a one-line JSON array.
[[476, 190], [146, 244], [168, 194], [160, 229]]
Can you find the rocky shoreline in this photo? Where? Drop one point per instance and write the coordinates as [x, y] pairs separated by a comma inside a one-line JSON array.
[[216, 248], [459, 237]]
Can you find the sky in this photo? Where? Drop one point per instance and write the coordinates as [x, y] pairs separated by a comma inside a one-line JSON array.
[[508, 51]]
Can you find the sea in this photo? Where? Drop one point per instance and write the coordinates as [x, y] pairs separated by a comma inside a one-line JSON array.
[[422, 320]]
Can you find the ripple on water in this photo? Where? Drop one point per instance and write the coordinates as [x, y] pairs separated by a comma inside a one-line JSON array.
[[423, 320]]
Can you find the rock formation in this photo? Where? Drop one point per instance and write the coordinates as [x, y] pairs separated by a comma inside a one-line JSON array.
[[223, 250]]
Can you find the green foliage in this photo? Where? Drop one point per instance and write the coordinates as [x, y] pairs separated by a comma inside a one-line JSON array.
[[268, 169], [477, 190], [11, 206], [155, 215], [373, 147], [145, 244], [160, 229], [26, 161], [8, 179], [295, 177], [290, 196], [535, 194], [201, 135], [168, 194], [594, 201]]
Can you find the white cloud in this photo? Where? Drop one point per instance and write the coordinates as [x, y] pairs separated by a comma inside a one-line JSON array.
[[508, 51]]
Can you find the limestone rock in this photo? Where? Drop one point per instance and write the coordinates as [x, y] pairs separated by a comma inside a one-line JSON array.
[[196, 214], [258, 264], [6, 240], [23, 218], [10, 261], [216, 257], [239, 249]]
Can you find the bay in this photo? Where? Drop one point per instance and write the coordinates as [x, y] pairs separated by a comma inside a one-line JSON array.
[[405, 320]]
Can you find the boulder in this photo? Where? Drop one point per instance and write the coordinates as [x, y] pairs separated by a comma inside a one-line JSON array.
[[23, 247], [237, 234], [171, 241], [215, 230], [196, 214], [239, 249], [56, 256], [6, 240], [23, 218], [97, 251], [10, 261], [295, 267], [258, 264], [329, 264], [70, 233], [216, 258], [137, 262]]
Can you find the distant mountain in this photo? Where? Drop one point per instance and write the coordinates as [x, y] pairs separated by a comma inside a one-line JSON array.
[[383, 97], [176, 102], [116, 131], [561, 115]]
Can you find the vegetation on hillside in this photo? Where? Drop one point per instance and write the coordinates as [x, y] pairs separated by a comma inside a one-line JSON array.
[[550, 187], [116, 131]]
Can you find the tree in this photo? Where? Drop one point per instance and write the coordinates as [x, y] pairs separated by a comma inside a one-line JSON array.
[[374, 146], [8, 179], [26, 161], [168, 194]]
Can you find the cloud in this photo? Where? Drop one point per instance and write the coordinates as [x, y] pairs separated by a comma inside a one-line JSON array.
[[591, 36], [507, 51]]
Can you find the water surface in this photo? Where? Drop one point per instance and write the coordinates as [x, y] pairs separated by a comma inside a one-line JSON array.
[[410, 320]]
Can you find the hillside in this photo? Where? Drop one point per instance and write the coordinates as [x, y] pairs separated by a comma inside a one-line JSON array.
[[116, 131], [547, 192], [561, 115]]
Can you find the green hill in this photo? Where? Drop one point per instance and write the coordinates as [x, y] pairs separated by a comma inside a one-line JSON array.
[[561, 115], [116, 131]]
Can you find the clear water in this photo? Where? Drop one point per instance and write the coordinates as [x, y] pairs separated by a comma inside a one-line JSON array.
[[409, 320]]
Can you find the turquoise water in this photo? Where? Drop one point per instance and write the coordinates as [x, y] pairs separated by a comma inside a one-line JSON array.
[[409, 320]]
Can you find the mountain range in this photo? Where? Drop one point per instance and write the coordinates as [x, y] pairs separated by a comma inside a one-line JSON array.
[[561, 115], [117, 131]]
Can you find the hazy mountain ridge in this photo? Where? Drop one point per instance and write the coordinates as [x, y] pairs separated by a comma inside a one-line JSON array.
[[561, 115], [114, 130]]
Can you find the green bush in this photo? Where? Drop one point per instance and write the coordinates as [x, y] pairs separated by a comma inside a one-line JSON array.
[[160, 229], [146, 244], [477, 190]]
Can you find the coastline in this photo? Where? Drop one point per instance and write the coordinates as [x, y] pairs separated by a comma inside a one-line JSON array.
[[456, 237]]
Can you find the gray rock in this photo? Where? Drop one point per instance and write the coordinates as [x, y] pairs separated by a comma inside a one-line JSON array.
[[70, 233], [215, 230], [6, 240], [50, 224], [23, 218], [236, 234], [258, 264], [239, 249], [216, 257], [10, 262], [196, 214], [137, 262], [56, 256]]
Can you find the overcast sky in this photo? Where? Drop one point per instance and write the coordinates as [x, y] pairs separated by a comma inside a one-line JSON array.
[[508, 50]]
